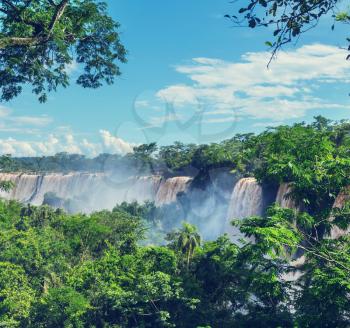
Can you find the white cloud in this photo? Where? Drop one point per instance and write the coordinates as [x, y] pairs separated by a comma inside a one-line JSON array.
[[114, 144], [38, 121], [90, 148], [53, 144], [267, 124], [178, 95], [23, 124], [157, 121], [72, 67], [249, 89], [15, 147]]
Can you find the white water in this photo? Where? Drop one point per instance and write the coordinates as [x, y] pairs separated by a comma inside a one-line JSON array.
[[339, 202], [170, 188], [246, 200], [99, 191], [91, 192], [283, 198]]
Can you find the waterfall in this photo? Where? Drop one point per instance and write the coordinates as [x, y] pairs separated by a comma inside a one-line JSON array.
[[26, 187], [246, 200], [110, 191], [339, 202], [143, 189], [283, 199], [11, 177], [170, 188], [90, 191]]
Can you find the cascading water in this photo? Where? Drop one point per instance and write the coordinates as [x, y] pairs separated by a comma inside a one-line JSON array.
[[283, 198], [143, 189], [96, 191], [64, 186], [89, 192], [170, 188], [14, 178], [115, 190], [246, 200], [340, 202]]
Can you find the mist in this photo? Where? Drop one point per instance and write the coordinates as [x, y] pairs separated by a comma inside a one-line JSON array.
[[210, 202]]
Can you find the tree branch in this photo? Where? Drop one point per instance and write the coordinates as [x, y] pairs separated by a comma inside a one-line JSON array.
[[58, 14], [15, 41], [52, 3], [13, 7]]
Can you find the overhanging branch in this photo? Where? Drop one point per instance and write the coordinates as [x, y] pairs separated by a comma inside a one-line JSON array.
[[58, 14], [14, 41]]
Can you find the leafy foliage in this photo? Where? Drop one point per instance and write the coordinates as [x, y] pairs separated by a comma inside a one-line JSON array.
[[60, 270], [313, 159], [41, 39], [288, 19]]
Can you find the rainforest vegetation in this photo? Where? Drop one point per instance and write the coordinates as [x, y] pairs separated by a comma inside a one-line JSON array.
[[175, 159], [110, 268], [103, 270]]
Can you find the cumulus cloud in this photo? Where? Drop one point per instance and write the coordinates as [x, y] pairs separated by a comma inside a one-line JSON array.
[[249, 89], [217, 91], [4, 111], [69, 143], [90, 148], [63, 139], [16, 147], [114, 144]]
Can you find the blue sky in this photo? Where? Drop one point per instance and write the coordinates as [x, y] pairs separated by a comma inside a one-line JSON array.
[[191, 77]]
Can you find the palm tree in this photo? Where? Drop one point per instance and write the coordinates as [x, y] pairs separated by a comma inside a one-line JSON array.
[[188, 240]]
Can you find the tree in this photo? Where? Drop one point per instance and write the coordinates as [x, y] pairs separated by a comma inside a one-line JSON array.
[[6, 185], [15, 294], [320, 296], [6, 164], [142, 157], [41, 39], [322, 123], [316, 176], [289, 19], [147, 211], [324, 300], [139, 289], [185, 240], [177, 156], [145, 151], [61, 307]]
